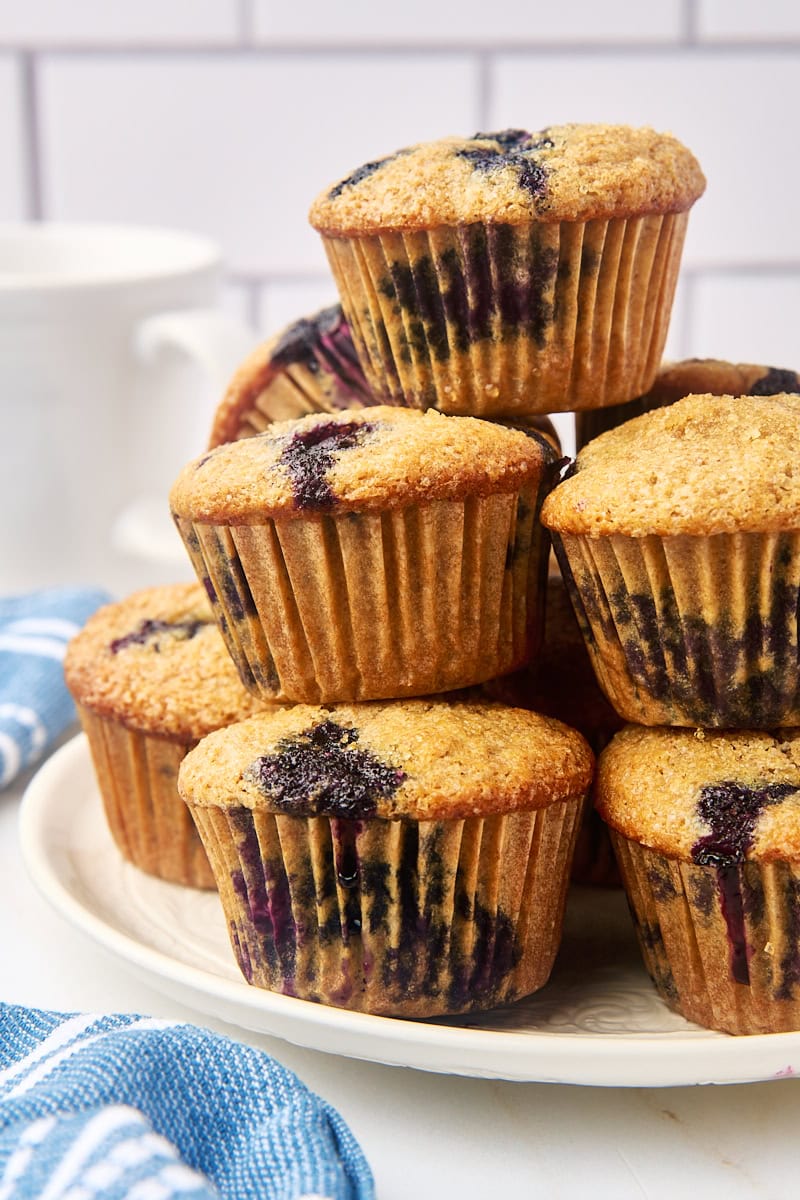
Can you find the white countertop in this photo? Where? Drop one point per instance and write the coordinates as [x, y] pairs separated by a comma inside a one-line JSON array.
[[428, 1135]]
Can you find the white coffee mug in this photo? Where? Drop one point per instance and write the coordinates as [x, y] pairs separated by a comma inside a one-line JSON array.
[[113, 356]]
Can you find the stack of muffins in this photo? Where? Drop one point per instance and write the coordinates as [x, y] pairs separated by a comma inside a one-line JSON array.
[[678, 536], [380, 842]]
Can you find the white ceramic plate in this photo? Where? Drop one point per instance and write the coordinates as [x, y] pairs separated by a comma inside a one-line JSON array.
[[598, 1021]]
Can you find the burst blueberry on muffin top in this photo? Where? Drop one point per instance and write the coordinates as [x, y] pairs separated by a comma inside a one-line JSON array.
[[358, 461], [156, 662], [564, 172], [416, 759], [709, 797]]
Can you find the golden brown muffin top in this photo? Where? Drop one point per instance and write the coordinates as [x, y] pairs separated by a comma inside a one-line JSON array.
[[373, 458], [705, 465], [418, 759], [691, 376], [510, 177], [157, 663], [715, 377], [714, 798]]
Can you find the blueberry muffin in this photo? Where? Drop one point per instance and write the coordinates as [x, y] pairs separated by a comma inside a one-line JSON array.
[[150, 676], [381, 552], [562, 684], [678, 535], [310, 366], [693, 376], [407, 859], [706, 827], [512, 272]]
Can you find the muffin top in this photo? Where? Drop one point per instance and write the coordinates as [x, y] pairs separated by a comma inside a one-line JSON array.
[[715, 377], [157, 663], [692, 376], [373, 458], [418, 759], [564, 172], [705, 465], [711, 798], [310, 366]]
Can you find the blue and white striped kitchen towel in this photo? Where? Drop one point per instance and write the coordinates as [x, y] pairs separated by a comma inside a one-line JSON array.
[[35, 706], [133, 1108]]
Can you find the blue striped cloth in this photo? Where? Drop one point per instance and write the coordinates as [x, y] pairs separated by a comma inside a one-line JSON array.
[[133, 1108], [35, 706]]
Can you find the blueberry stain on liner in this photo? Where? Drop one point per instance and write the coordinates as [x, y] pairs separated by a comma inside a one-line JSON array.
[[732, 810], [323, 341]]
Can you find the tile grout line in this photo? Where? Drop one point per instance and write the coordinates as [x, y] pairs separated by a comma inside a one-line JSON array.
[[253, 305], [686, 40], [689, 23], [31, 136], [688, 316], [484, 90], [245, 22]]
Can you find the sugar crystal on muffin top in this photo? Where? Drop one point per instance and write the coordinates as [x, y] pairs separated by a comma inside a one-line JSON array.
[[705, 465], [564, 172], [361, 460]]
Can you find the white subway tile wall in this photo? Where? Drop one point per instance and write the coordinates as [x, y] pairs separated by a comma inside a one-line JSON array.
[[724, 19], [748, 213], [99, 23], [472, 22], [13, 148], [228, 116], [235, 146]]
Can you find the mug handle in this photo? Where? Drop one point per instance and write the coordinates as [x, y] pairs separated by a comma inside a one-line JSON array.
[[213, 339], [217, 343]]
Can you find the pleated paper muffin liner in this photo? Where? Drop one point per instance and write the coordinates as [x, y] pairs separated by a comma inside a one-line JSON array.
[[137, 778], [373, 605], [691, 630], [398, 917], [281, 384], [721, 944], [504, 320]]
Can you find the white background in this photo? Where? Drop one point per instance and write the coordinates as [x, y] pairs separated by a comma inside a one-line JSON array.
[[228, 116]]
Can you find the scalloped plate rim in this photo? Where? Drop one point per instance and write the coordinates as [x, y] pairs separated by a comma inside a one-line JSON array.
[[595, 1059]]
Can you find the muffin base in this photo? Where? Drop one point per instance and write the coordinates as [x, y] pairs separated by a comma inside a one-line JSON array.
[[396, 918], [137, 779], [689, 630], [366, 606], [503, 320], [722, 945]]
